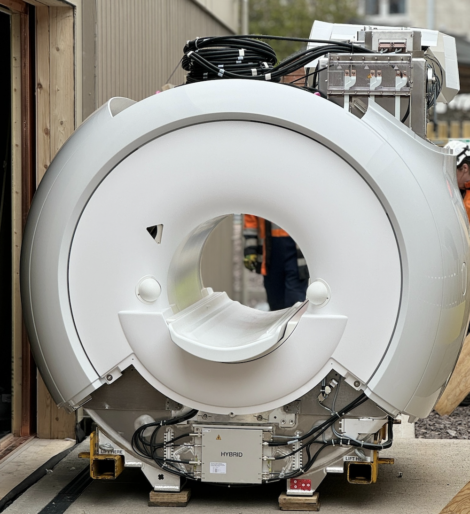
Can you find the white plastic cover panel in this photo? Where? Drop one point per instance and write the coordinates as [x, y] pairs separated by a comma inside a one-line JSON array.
[[375, 210]]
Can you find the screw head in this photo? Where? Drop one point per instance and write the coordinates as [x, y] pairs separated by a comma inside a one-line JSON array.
[[259, 418], [357, 383], [109, 378], [204, 416]]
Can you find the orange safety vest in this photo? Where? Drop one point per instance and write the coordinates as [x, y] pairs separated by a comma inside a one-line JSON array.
[[466, 199], [254, 230]]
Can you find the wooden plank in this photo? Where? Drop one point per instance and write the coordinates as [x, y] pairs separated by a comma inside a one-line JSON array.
[[460, 504], [62, 423], [44, 417], [55, 124], [16, 6], [17, 322], [299, 503], [43, 132], [455, 129], [46, 3], [442, 130], [43, 159], [430, 131], [61, 76], [6, 441], [458, 386], [14, 444], [466, 129], [28, 181], [158, 499]]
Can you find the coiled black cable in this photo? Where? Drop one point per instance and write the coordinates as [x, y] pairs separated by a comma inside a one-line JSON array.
[[246, 57]]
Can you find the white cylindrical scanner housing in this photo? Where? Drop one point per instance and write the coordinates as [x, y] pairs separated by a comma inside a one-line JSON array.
[[375, 210]]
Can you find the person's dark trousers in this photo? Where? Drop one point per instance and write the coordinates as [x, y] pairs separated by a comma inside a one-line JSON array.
[[282, 283]]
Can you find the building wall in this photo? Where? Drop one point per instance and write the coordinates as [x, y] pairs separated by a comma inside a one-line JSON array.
[[450, 16], [131, 48], [228, 11]]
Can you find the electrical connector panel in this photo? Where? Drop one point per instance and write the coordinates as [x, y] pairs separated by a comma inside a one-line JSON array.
[[232, 454], [404, 73], [397, 82], [387, 41], [341, 66]]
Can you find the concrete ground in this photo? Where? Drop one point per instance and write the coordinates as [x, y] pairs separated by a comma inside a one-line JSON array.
[[426, 476], [26, 459]]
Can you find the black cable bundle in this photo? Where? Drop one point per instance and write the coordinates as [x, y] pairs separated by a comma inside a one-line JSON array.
[[433, 87], [317, 431], [245, 57], [148, 447], [212, 58]]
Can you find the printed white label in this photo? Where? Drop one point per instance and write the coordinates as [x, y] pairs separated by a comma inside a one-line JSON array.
[[218, 467], [112, 452], [206, 430], [351, 458]]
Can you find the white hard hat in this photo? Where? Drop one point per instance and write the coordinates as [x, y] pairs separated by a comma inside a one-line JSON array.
[[460, 149]]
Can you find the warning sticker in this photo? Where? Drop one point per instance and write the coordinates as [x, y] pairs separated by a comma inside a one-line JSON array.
[[218, 467], [356, 459], [218, 438]]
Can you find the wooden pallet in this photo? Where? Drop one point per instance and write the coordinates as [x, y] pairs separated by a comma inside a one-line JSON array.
[[181, 499], [299, 503], [460, 504]]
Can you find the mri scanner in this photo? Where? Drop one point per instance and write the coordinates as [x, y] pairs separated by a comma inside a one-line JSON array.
[[184, 382]]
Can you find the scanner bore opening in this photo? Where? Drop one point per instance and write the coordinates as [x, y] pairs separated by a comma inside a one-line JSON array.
[[209, 323]]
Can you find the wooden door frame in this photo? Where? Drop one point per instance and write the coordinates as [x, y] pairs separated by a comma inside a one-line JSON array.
[[55, 108], [38, 131], [23, 186]]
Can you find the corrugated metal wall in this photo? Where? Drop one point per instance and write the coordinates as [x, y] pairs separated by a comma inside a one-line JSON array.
[[139, 44]]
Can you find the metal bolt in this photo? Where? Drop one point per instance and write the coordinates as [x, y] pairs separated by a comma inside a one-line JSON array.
[[204, 416], [357, 383], [109, 378], [259, 418], [291, 421], [283, 422]]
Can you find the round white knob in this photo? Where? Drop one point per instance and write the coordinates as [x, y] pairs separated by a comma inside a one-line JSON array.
[[318, 293], [148, 289]]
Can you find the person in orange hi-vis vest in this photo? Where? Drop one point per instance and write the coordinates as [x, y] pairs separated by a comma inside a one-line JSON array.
[[462, 152], [270, 250]]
